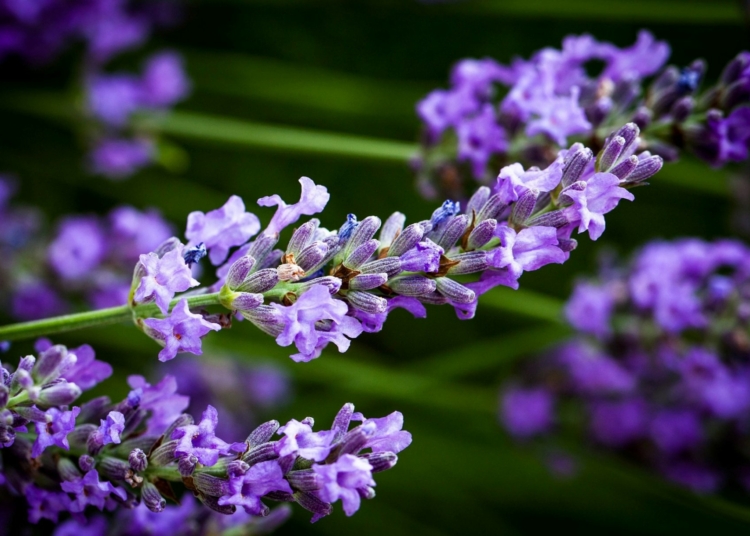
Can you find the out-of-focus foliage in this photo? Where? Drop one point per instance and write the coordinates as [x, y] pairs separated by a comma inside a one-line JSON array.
[[270, 75]]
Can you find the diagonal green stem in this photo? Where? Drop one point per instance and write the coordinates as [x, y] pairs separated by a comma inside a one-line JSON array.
[[102, 317]]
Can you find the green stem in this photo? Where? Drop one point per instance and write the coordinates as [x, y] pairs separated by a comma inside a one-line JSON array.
[[102, 317]]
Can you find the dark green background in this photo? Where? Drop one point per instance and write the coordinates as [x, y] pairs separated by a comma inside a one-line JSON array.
[[357, 68]]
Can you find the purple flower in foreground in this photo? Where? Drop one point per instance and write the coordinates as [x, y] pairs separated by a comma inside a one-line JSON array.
[[222, 229], [111, 427], [162, 400], [527, 250], [78, 248], [54, 429], [179, 332], [527, 412], [343, 480], [119, 158], [513, 181], [300, 440], [164, 277], [86, 372], [388, 435], [88, 490], [246, 490], [424, 257], [592, 200], [373, 322], [200, 440], [313, 200], [301, 318]]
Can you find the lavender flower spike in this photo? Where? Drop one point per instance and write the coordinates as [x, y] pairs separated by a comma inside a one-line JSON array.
[[344, 480], [164, 277], [200, 440], [180, 332], [54, 429], [313, 200], [247, 489], [222, 229]]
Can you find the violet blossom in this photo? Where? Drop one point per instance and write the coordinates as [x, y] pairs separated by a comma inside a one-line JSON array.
[[181, 331], [222, 229], [164, 276]]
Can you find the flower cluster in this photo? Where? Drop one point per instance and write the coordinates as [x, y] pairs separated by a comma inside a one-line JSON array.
[[330, 286], [126, 455], [660, 370], [88, 257], [528, 110], [39, 31]]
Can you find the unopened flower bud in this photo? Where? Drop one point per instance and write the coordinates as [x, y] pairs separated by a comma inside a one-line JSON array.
[[239, 271], [367, 281], [86, 463], [362, 234], [482, 233], [408, 238], [302, 236], [138, 460], [412, 285], [60, 394], [262, 433], [454, 291], [369, 303], [361, 254], [259, 282], [391, 229], [152, 498]]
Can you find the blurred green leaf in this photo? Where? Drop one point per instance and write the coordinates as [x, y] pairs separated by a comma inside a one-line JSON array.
[[488, 354], [525, 302]]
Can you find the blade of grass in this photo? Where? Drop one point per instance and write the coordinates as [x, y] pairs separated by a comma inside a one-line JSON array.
[[526, 302], [487, 355]]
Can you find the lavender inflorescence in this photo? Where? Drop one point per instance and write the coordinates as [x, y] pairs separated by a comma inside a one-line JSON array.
[[529, 110], [330, 286], [87, 259], [66, 459], [659, 371]]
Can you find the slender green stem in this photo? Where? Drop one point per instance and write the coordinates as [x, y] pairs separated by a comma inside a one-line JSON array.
[[102, 317]]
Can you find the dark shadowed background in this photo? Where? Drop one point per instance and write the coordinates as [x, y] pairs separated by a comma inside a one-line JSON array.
[[356, 69]]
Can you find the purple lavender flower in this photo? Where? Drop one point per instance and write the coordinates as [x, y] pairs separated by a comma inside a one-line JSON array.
[[373, 322], [300, 319], [674, 430], [589, 309], [527, 250], [442, 109], [696, 477], [592, 372], [35, 300], [222, 229], [513, 181], [559, 118], [424, 257], [644, 58], [618, 423], [343, 479], [387, 434], [164, 81], [479, 138], [135, 232], [87, 371], [45, 504], [300, 440], [527, 412], [593, 200], [313, 200], [247, 489], [180, 332], [200, 440], [54, 429], [78, 248], [111, 427], [162, 400], [119, 158], [88, 490], [140, 521], [113, 98], [164, 277]]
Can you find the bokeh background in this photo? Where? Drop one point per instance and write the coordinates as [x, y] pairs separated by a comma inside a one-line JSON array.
[[327, 89]]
